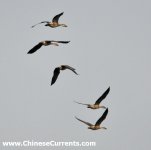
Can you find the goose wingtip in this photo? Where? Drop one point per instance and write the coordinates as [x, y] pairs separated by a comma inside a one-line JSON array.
[[75, 117]]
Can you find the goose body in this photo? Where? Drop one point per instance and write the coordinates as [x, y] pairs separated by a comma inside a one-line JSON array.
[[57, 72], [97, 104], [54, 23], [45, 43], [98, 122]]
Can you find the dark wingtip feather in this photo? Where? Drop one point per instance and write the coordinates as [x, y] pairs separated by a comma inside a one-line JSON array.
[[64, 42], [55, 75], [35, 48], [102, 117], [29, 52], [52, 83], [109, 88]]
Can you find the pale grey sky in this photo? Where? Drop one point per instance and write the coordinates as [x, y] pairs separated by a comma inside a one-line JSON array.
[[110, 46]]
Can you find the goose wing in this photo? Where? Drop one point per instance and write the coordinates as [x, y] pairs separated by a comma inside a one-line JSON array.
[[103, 96], [102, 117], [87, 123], [35, 48], [64, 42], [40, 23], [70, 68], [56, 18], [55, 75]]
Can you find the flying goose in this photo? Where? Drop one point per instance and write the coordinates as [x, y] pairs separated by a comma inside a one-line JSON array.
[[97, 124], [54, 22], [57, 72], [97, 103], [45, 43]]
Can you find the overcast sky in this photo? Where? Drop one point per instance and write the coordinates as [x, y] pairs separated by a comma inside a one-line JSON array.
[[110, 46]]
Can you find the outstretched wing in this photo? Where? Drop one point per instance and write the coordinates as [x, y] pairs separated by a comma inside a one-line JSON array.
[[87, 123], [35, 48], [102, 117], [40, 23], [64, 42], [103, 96], [70, 68], [81, 103], [56, 18], [55, 75]]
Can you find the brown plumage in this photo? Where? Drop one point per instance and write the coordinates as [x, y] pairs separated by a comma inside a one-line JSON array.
[[57, 72], [45, 43], [97, 105], [98, 123], [54, 22]]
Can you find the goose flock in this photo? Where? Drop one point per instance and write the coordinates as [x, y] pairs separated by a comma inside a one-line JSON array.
[[98, 104]]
